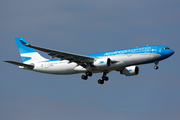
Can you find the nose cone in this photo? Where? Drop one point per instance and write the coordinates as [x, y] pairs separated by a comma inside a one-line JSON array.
[[167, 53], [170, 52]]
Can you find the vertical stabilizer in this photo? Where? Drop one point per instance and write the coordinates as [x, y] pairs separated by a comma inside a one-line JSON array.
[[28, 55]]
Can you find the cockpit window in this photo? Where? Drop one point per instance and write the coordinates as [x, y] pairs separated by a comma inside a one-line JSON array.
[[166, 48]]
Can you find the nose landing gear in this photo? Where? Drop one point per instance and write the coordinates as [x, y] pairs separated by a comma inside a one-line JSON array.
[[156, 67]]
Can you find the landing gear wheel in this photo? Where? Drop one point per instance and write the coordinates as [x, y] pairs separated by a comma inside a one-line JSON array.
[[156, 67], [105, 78], [88, 74], [101, 81], [156, 63], [84, 77]]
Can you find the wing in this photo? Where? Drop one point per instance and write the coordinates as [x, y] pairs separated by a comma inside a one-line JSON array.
[[79, 59]]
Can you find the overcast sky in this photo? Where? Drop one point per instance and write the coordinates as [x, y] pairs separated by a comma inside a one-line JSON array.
[[85, 27]]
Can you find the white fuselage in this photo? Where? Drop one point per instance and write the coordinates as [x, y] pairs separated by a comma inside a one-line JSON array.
[[64, 67]]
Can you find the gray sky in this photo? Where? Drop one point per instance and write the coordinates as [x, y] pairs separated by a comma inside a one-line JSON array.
[[84, 27]]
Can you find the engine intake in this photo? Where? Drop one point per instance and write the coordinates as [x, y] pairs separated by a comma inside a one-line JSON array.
[[130, 71], [102, 62]]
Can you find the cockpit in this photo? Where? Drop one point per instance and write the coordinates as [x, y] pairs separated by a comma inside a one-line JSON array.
[[166, 48]]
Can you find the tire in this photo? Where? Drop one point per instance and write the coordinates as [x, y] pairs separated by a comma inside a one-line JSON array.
[[106, 78], [88, 74], [84, 77], [156, 67], [101, 81]]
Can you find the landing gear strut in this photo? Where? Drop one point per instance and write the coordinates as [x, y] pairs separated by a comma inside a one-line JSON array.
[[156, 67], [104, 78], [88, 73], [85, 77]]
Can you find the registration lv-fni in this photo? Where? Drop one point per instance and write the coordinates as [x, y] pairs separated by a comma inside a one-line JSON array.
[[124, 61]]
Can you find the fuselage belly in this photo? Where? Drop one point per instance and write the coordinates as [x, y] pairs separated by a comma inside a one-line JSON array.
[[65, 67]]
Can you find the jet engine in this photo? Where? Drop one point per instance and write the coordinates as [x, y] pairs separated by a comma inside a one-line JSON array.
[[130, 71], [102, 62]]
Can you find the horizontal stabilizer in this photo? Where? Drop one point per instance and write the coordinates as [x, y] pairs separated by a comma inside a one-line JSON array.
[[21, 64]]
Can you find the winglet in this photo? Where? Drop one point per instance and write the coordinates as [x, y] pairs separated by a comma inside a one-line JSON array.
[[24, 42]]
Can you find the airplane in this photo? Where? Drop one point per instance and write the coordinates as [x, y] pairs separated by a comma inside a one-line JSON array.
[[124, 61]]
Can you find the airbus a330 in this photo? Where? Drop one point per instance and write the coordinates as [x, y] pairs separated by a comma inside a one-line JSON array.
[[63, 63]]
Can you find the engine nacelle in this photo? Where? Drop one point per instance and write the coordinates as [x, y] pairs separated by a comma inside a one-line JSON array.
[[130, 71], [102, 62]]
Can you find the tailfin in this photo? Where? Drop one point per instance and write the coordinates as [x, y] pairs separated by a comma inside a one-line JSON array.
[[28, 55]]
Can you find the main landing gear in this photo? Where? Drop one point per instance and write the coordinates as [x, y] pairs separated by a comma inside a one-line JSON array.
[[85, 77], [104, 78], [156, 67], [100, 81]]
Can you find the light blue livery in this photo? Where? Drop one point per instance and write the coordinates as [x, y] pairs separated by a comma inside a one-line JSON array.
[[125, 61]]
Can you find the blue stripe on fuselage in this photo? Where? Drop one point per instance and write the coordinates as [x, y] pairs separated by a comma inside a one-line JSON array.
[[157, 49], [137, 50]]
